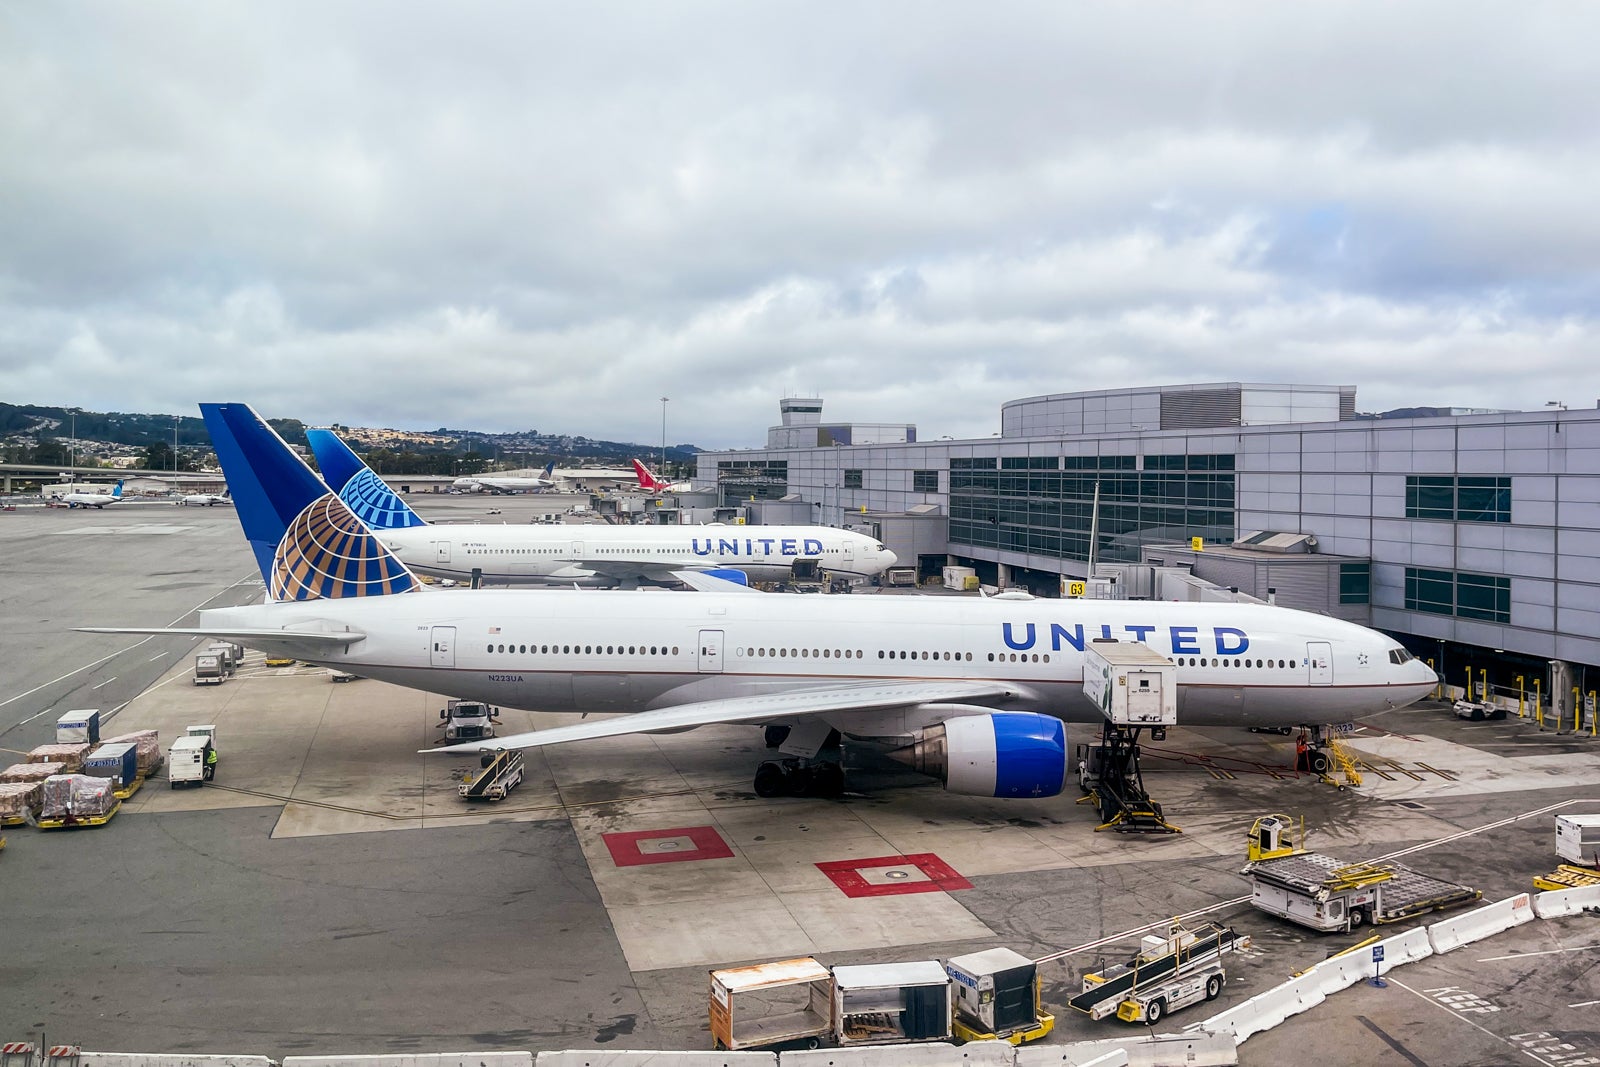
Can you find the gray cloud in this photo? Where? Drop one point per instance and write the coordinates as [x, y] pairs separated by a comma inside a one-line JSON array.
[[507, 216]]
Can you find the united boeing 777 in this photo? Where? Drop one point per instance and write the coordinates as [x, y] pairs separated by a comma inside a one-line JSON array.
[[979, 688], [584, 555]]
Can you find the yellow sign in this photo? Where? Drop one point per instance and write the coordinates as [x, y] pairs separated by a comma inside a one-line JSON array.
[[1198, 544], [1076, 589]]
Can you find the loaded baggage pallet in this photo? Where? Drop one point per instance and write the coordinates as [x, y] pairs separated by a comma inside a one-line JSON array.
[[1325, 893], [73, 822]]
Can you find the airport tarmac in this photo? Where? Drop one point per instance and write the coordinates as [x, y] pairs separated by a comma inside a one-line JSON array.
[[331, 893]]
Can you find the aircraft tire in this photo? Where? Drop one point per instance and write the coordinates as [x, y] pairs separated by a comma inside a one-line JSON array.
[[775, 734], [770, 780], [1320, 761]]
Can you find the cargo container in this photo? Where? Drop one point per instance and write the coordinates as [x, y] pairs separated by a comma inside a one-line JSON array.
[[118, 762], [1578, 839], [210, 668], [149, 744], [231, 655], [1132, 684], [82, 725]]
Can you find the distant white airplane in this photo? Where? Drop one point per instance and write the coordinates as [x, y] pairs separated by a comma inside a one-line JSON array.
[[536, 554], [651, 484], [508, 483], [976, 692], [206, 500], [79, 498]]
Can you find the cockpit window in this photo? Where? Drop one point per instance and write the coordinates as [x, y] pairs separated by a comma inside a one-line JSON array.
[[1398, 656]]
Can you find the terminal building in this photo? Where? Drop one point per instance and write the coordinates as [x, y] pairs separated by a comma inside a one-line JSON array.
[[1473, 536]]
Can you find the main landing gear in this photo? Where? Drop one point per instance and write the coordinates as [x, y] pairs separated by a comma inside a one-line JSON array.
[[818, 775], [1109, 774]]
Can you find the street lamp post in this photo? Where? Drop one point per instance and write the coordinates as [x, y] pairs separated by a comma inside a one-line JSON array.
[[72, 455], [663, 464], [175, 447]]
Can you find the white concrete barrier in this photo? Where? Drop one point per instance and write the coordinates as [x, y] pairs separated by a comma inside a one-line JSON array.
[[923, 1054], [1447, 935], [141, 1059], [631, 1058], [425, 1059], [1197, 1049], [1265, 1010], [1558, 902]]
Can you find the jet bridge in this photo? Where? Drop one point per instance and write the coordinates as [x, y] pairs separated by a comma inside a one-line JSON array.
[[1136, 689]]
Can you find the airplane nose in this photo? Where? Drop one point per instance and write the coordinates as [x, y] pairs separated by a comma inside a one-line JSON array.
[[889, 558]]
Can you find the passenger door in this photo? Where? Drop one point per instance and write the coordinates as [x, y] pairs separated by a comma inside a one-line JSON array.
[[710, 652], [441, 551], [443, 640], [1319, 660]]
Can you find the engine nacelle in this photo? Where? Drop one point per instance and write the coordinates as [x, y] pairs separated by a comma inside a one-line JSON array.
[[1001, 754]]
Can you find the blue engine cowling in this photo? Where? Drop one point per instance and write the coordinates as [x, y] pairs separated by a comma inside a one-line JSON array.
[[1001, 754]]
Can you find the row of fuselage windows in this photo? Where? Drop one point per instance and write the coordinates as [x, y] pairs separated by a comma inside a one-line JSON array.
[[847, 653], [583, 650]]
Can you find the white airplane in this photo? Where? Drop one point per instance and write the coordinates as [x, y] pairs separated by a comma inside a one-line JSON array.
[[206, 500], [83, 498], [587, 555], [977, 691], [508, 483], [651, 484]]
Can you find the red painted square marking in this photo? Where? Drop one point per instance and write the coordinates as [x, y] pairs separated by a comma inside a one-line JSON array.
[[637, 847], [890, 875]]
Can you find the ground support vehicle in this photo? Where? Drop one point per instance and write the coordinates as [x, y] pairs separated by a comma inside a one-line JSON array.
[[193, 758], [1327, 894], [1169, 973], [502, 772], [467, 720], [1473, 711], [1136, 689], [229, 653], [1565, 876], [209, 669], [997, 997]]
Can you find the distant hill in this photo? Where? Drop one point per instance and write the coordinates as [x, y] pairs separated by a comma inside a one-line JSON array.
[[401, 451]]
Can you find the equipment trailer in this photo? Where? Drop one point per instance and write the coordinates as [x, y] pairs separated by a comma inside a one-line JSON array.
[[502, 772], [1169, 973], [1327, 894], [1135, 688]]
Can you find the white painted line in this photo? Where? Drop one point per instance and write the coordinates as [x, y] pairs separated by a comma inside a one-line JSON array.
[[1457, 1015], [103, 684], [1546, 952], [155, 657], [1583, 1003]]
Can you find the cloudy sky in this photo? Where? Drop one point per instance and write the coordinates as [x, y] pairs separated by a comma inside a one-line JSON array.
[[519, 215]]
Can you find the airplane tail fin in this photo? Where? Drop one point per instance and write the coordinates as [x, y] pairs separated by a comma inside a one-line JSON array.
[[116, 494], [549, 470], [647, 481], [307, 542], [362, 491]]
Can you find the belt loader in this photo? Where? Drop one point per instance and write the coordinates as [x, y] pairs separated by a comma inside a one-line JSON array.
[[1169, 973]]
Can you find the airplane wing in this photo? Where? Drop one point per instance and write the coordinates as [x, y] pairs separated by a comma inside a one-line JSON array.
[[260, 639], [865, 696]]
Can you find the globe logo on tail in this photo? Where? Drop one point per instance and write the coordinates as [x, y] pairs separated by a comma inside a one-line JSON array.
[[328, 554]]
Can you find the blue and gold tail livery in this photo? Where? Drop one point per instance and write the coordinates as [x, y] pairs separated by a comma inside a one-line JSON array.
[[363, 491], [307, 542]]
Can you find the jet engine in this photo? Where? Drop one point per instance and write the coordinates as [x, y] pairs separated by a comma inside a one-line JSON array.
[[998, 754]]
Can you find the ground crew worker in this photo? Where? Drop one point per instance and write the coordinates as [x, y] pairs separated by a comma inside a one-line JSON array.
[[211, 763], [1302, 754]]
